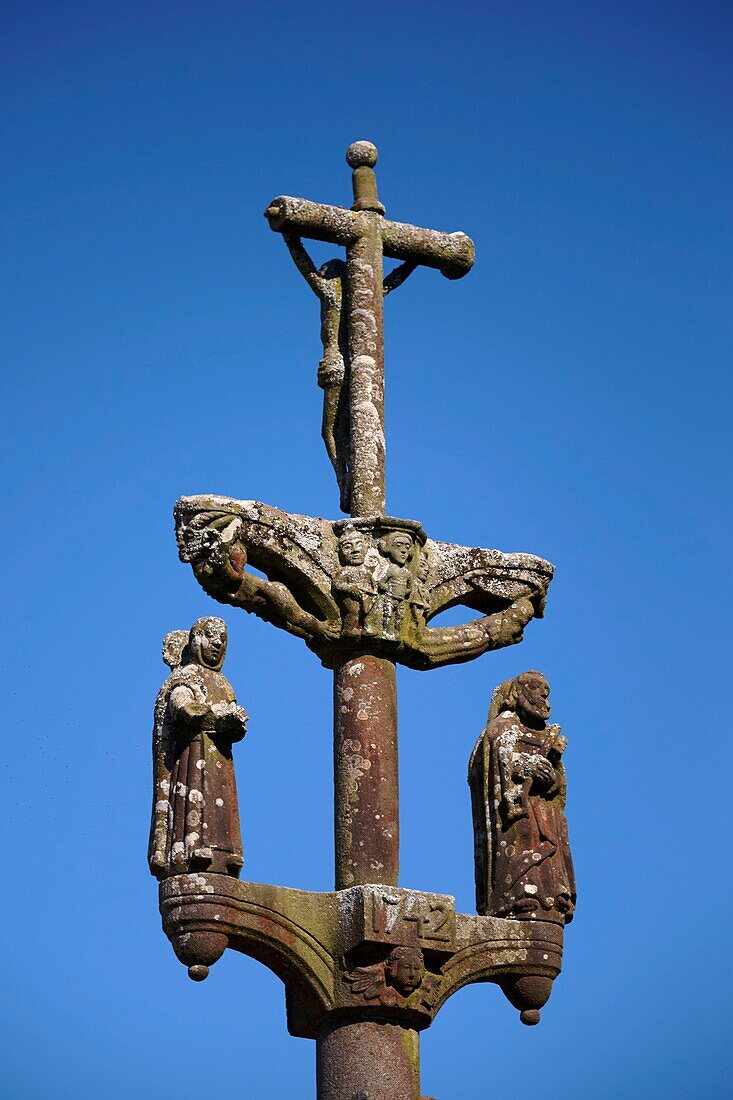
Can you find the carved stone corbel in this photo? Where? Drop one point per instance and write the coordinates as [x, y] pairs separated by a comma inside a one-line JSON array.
[[398, 953]]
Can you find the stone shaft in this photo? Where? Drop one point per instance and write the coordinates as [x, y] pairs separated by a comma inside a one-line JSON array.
[[367, 1058], [366, 353], [366, 819]]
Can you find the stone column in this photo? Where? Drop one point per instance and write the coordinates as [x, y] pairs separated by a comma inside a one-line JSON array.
[[366, 818], [367, 1060]]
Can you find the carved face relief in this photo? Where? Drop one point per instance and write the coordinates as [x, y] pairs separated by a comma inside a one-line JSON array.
[[208, 642], [352, 548], [423, 566], [397, 546], [533, 695], [405, 969]]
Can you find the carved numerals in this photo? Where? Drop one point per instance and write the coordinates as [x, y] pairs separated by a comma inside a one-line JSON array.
[[389, 915], [412, 916]]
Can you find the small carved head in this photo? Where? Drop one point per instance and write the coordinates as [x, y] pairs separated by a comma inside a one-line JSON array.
[[405, 969], [332, 269], [352, 547], [423, 566], [532, 693], [207, 642], [174, 645], [397, 546]]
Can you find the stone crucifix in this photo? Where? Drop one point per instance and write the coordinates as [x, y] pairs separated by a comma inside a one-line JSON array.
[[367, 966], [368, 237]]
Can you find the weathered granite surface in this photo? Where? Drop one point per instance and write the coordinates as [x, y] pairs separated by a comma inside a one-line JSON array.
[[367, 966]]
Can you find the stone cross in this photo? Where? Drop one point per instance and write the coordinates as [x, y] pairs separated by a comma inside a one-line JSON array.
[[367, 966]]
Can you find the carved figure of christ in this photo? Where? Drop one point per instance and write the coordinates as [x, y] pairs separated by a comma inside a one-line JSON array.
[[367, 237], [327, 283]]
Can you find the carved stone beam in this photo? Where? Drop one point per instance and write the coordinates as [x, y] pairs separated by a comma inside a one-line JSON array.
[[293, 932], [395, 955], [368, 237], [452, 254], [344, 613]]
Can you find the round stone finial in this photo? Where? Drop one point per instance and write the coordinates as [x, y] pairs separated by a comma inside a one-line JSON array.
[[530, 1017], [198, 972], [361, 154]]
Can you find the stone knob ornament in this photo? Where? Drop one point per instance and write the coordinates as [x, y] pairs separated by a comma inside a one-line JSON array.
[[361, 157], [362, 154]]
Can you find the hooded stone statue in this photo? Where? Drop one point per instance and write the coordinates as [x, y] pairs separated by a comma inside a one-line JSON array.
[[195, 819], [524, 869]]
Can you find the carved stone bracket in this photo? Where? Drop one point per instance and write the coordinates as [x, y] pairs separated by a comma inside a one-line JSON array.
[[359, 586], [396, 954]]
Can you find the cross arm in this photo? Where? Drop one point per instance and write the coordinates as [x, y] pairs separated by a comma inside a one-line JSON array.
[[318, 222], [450, 253]]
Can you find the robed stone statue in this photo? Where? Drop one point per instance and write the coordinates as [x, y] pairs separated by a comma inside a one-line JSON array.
[[195, 820], [522, 858]]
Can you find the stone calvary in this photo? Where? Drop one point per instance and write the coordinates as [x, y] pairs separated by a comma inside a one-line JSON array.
[[367, 966]]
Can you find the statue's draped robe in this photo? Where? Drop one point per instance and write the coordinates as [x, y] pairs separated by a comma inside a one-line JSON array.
[[523, 864], [195, 823]]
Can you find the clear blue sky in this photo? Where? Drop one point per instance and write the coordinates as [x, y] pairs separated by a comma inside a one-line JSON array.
[[570, 398]]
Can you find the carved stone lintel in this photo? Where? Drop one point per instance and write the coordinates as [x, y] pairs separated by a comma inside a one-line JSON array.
[[360, 586], [398, 953]]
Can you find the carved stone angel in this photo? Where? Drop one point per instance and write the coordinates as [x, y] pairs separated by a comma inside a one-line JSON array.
[[195, 821], [395, 980], [523, 864]]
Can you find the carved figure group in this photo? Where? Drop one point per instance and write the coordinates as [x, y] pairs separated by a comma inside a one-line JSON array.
[[375, 583], [195, 820], [524, 869], [362, 594]]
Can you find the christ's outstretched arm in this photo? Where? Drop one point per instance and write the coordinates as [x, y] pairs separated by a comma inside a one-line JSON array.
[[304, 263], [397, 277]]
